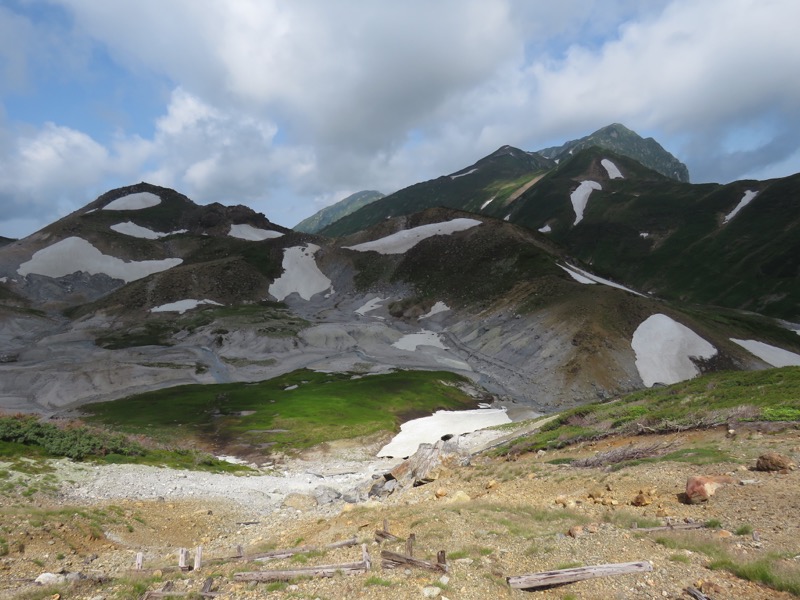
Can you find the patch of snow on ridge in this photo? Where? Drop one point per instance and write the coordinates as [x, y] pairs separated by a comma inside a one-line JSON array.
[[74, 254], [580, 198], [777, 357], [430, 429], [137, 231], [611, 169], [644, 235], [300, 274], [585, 277], [470, 172], [488, 202], [664, 349], [545, 229], [746, 199], [411, 341], [437, 308], [252, 234], [181, 306], [400, 242], [371, 305], [134, 202]]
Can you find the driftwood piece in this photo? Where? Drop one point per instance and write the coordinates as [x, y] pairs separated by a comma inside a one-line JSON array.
[[675, 527], [383, 535], [319, 571], [392, 560], [289, 552], [696, 594], [548, 578]]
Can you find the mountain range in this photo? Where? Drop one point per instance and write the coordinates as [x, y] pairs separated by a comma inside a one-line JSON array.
[[549, 278]]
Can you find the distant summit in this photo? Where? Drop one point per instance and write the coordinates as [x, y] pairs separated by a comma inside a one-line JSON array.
[[623, 141], [334, 212]]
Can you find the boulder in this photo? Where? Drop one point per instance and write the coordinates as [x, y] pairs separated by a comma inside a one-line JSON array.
[[772, 461], [699, 488]]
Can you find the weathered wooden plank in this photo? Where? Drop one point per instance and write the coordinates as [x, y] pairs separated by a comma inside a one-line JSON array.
[[198, 558], [318, 571], [391, 560], [696, 594], [548, 578], [675, 527]]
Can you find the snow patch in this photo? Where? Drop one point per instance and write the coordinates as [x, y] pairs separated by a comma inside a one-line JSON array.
[[428, 430], [252, 234], [437, 308], [488, 202], [644, 235], [134, 202], [664, 349], [463, 174], [371, 305], [507, 217], [411, 341], [74, 254], [777, 357], [300, 274], [137, 231], [181, 306], [580, 198], [582, 276], [746, 199], [400, 242], [545, 229], [611, 169], [3, 279]]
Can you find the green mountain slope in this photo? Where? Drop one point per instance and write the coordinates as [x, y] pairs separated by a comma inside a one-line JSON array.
[[329, 214], [491, 181], [671, 238], [625, 142]]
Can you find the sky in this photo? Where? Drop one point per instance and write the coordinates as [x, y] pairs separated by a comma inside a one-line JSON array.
[[289, 106]]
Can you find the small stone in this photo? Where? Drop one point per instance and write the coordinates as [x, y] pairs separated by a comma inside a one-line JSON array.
[[431, 591], [700, 488], [592, 528], [575, 531], [292, 588], [724, 533], [444, 580], [440, 493], [492, 484], [50, 579], [459, 496]]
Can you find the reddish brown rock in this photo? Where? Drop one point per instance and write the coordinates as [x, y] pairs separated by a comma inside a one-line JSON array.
[[699, 488], [772, 461]]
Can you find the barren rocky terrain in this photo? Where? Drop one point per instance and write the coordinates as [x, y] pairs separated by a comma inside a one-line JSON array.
[[495, 518]]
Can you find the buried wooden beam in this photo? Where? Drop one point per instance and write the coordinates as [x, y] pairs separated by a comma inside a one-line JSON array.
[[289, 552], [383, 535], [548, 578], [675, 527], [319, 571], [392, 560]]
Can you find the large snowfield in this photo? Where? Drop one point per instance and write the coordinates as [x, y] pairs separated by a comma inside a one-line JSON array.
[[301, 275], [137, 231], [134, 202], [611, 169], [253, 234], [74, 254], [777, 357], [402, 241], [181, 306], [412, 341], [582, 276], [428, 430], [580, 198], [663, 349]]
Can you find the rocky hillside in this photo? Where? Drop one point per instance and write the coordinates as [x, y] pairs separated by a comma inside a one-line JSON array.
[[321, 219]]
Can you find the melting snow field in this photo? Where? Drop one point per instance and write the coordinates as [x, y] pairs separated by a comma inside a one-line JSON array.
[[137, 231], [580, 198], [428, 430], [181, 306], [545, 229], [663, 347], [470, 172], [252, 234], [424, 338], [487, 203], [582, 276], [371, 305], [74, 254], [400, 242], [611, 169], [301, 274], [746, 199], [134, 202], [437, 308], [777, 357]]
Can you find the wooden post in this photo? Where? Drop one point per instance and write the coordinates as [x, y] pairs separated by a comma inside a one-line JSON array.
[[139, 561], [441, 559], [239, 551], [183, 557], [386, 525], [548, 578], [198, 558], [410, 544], [365, 557]]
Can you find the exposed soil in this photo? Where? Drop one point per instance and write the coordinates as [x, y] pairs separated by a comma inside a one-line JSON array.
[[494, 518]]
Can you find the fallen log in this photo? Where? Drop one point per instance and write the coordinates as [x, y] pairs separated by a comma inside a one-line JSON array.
[[289, 552], [392, 560], [319, 571], [696, 594], [675, 527], [548, 578]]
